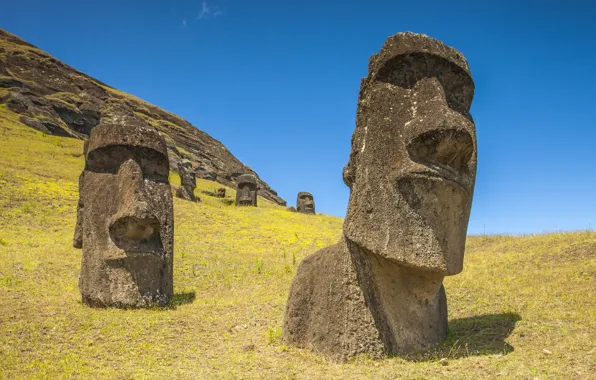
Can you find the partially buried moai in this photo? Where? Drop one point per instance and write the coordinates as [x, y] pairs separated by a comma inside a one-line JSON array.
[[221, 192], [411, 174], [246, 190], [125, 222], [305, 203], [188, 181]]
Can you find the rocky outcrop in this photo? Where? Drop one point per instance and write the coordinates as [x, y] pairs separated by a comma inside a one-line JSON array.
[[54, 98]]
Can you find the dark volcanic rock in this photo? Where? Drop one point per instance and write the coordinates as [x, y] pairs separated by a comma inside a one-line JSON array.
[[47, 126], [125, 221], [41, 87], [411, 175]]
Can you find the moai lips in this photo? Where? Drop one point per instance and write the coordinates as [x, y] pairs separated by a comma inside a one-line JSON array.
[[411, 174], [125, 219], [246, 190], [305, 203]]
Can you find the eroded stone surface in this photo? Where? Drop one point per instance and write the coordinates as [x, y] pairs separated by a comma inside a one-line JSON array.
[[188, 181], [246, 190], [411, 174], [221, 192], [125, 222], [305, 203]]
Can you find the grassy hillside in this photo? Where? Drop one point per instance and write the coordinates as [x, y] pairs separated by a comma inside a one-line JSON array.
[[53, 97], [524, 307]]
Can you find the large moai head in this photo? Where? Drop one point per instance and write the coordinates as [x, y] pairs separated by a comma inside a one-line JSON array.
[[305, 203], [125, 222], [188, 182], [413, 161], [246, 190]]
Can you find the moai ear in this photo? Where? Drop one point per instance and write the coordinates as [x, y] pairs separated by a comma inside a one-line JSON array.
[[348, 175]]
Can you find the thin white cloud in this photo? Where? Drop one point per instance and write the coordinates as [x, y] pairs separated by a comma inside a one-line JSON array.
[[205, 11], [208, 12], [184, 24]]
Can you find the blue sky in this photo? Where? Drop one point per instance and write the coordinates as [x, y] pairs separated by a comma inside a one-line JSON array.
[[277, 83]]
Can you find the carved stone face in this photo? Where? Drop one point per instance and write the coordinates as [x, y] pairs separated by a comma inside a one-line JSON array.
[[125, 218], [305, 203], [413, 162], [188, 182], [246, 190], [187, 175]]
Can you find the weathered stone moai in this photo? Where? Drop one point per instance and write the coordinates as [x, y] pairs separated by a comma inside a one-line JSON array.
[[221, 192], [246, 190], [411, 174], [125, 222], [188, 181], [305, 203]]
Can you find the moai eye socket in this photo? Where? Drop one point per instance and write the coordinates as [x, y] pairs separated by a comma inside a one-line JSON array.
[[109, 159], [155, 165]]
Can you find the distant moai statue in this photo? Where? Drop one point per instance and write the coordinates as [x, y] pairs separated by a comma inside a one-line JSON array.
[[221, 192], [305, 203], [125, 222], [411, 174], [188, 181], [246, 190]]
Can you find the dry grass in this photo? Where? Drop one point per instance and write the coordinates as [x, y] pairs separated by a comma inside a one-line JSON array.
[[524, 307]]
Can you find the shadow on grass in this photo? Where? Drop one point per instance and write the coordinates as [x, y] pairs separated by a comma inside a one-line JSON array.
[[474, 336], [180, 299]]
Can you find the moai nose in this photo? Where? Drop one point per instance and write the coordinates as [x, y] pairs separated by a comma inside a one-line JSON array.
[[134, 219], [452, 147], [441, 135]]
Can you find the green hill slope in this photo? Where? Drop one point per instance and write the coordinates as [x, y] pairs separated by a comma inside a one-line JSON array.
[[524, 307]]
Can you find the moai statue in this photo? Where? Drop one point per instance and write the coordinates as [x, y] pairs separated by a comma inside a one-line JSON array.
[[221, 192], [246, 190], [125, 222], [305, 203], [188, 181], [411, 174]]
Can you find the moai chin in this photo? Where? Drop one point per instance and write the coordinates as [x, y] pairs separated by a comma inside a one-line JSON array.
[[221, 192], [305, 203], [125, 222], [246, 190], [411, 174], [188, 181]]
